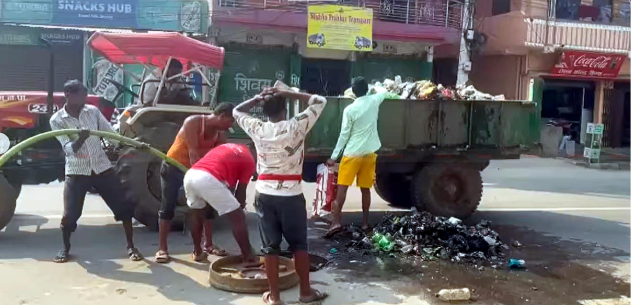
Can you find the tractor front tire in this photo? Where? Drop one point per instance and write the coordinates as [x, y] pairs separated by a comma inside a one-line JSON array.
[[139, 172], [8, 200], [448, 189]]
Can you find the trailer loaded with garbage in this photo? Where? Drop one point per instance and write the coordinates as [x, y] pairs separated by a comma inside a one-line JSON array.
[[435, 142]]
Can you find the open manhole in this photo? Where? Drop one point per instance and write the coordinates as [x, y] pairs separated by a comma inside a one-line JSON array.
[[316, 262]]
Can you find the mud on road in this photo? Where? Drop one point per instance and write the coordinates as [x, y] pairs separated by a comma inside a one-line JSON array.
[[558, 271]]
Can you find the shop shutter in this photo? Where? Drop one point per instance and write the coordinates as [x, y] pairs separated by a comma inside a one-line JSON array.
[[376, 69], [25, 68], [245, 70]]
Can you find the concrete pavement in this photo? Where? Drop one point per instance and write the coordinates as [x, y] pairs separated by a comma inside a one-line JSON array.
[[573, 222]]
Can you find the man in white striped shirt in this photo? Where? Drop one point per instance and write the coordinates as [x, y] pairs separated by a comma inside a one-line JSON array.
[[87, 166]]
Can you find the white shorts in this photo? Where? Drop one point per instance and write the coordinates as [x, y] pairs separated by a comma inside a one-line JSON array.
[[203, 188]]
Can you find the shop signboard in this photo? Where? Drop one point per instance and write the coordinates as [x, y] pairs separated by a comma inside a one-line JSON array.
[[588, 65], [595, 136], [17, 35], [339, 28], [166, 15], [595, 128]]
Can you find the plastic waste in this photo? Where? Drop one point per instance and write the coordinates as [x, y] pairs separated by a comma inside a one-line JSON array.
[[516, 244], [516, 263], [454, 221], [380, 262], [432, 237], [462, 294], [333, 251], [490, 240], [407, 249]]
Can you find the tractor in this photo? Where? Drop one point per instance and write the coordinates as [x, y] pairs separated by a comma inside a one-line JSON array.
[[24, 114]]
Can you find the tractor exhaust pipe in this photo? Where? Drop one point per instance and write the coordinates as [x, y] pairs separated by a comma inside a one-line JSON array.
[[51, 75]]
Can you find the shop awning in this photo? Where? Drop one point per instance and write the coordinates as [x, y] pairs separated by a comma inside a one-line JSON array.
[[155, 49]]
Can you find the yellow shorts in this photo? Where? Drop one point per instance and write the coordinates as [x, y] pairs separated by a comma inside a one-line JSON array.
[[361, 167]]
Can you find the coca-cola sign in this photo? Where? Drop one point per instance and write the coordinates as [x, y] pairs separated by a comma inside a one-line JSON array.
[[588, 65]]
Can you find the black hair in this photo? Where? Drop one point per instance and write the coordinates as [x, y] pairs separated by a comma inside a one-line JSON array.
[[175, 64], [224, 108], [74, 86], [274, 106], [359, 86]]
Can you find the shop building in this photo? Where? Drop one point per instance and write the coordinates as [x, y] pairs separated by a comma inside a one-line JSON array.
[[25, 58], [266, 40], [579, 49], [28, 62]]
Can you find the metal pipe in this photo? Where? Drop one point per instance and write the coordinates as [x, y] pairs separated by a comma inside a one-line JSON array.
[[51, 75], [68, 132], [447, 14], [162, 79]]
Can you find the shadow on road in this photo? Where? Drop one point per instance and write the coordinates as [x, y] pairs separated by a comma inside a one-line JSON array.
[[556, 176], [560, 270]]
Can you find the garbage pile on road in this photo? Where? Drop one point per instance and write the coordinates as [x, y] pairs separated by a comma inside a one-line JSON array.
[[426, 90], [430, 237]]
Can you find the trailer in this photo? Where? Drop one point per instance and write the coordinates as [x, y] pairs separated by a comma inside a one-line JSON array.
[[433, 151]]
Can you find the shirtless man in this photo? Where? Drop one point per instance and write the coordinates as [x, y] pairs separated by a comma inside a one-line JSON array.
[[198, 135]]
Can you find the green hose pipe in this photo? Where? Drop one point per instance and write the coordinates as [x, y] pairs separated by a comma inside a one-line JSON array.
[[69, 132]]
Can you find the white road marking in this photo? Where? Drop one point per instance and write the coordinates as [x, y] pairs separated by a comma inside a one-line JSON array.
[[59, 216], [554, 209], [620, 301], [489, 184], [609, 195]]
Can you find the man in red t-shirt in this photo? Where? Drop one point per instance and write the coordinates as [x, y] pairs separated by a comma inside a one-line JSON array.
[[212, 181]]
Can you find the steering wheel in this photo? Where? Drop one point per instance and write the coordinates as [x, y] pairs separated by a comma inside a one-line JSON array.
[[121, 87]]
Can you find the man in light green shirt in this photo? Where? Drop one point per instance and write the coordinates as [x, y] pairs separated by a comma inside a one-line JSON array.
[[359, 141]]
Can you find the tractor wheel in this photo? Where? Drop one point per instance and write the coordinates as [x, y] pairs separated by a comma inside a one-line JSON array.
[[140, 173], [448, 189], [8, 200], [394, 189]]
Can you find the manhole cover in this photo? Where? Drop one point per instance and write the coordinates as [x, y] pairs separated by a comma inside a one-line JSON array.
[[228, 274]]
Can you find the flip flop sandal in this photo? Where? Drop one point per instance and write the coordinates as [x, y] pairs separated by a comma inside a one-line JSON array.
[[316, 298], [332, 232], [61, 257], [199, 257], [266, 299], [215, 251], [162, 257], [134, 254]]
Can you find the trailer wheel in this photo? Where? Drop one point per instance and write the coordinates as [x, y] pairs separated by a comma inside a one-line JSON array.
[[8, 200], [449, 189], [394, 189]]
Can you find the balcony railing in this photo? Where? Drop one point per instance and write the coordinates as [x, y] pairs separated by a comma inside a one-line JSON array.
[[578, 36], [445, 13]]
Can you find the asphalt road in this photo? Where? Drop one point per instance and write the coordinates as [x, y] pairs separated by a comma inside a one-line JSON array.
[[573, 222]]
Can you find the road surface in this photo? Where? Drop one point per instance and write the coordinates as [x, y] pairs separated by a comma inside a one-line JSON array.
[[572, 221]]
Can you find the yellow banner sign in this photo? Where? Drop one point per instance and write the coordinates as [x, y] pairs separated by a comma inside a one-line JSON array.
[[339, 28]]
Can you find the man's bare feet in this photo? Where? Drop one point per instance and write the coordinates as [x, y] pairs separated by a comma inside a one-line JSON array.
[[315, 297], [252, 262]]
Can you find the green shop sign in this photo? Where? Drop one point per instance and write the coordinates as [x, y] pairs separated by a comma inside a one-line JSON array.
[[18, 35], [165, 15]]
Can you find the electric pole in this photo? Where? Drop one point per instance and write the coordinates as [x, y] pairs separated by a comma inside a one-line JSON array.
[[464, 61]]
